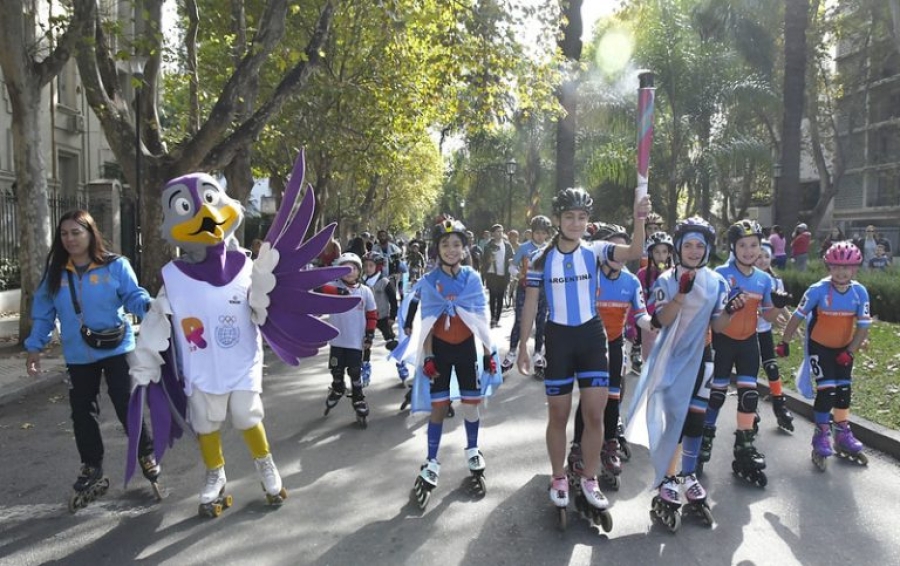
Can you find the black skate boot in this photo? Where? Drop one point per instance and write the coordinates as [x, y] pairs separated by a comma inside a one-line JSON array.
[[90, 485], [748, 462], [335, 392], [706, 444], [361, 408], [151, 470], [782, 414]]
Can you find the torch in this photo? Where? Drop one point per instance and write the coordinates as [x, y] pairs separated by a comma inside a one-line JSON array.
[[646, 93]]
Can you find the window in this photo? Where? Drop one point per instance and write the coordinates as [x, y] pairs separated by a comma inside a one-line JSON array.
[[886, 190], [68, 86], [69, 174]]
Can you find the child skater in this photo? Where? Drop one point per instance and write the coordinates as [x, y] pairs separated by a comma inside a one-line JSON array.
[[783, 415], [737, 348], [838, 319], [451, 337], [659, 251], [618, 294], [385, 293], [575, 342], [672, 393], [357, 331]]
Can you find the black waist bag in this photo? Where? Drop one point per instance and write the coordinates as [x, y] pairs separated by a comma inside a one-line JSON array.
[[108, 339]]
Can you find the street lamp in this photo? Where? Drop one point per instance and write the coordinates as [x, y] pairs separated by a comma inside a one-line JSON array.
[[511, 167], [462, 210], [136, 65]]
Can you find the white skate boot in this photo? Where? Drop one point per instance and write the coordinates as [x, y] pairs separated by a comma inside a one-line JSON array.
[[508, 362], [213, 499], [539, 363], [475, 459], [426, 481], [270, 480]]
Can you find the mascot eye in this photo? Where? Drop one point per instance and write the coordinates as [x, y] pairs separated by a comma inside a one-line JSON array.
[[182, 206], [211, 197]]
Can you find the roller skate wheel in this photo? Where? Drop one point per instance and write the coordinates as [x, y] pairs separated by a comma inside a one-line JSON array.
[[613, 482], [479, 486], [624, 451], [604, 520], [563, 518], [227, 501], [820, 462], [362, 422], [673, 521], [76, 502], [706, 515]]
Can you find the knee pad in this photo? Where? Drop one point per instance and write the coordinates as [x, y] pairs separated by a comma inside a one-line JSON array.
[[471, 412], [842, 397], [693, 424], [355, 376], [771, 368], [748, 399], [824, 400], [717, 398]]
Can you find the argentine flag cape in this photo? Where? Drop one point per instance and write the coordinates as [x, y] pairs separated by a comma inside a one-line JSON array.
[[471, 306], [661, 399]]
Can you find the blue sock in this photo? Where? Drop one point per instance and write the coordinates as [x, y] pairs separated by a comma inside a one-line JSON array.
[[472, 433], [690, 449], [823, 417], [434, 439]]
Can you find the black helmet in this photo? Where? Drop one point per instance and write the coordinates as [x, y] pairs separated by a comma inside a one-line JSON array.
[[541, 223], [605, 231], [743, 229], [573, 199], [656, 239], [699, 226], [447, 227]]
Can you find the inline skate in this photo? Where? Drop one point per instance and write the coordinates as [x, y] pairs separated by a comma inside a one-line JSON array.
[[270, 480], [361, 408], [666, 505], [624, 447], [592, 504], [508, 362], [847, 446], [335, 392], [213, 499], [559, 496], [696, 496], [748, 462], [706, 445], [426, 481], [477, 465], [821, 446], [611, 465], [90, 485], [151, 470], [782, 414], [540, 366]]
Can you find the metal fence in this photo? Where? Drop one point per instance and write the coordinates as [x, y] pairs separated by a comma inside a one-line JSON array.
[[9, 219]]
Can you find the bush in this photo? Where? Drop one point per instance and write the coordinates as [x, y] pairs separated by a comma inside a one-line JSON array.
[[883, 287], [10, 277]]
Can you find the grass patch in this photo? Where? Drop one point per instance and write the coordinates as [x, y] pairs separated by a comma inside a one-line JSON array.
[[876, 389]]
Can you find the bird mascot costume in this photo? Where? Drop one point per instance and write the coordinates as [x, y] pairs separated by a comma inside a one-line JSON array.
[[200, 355]]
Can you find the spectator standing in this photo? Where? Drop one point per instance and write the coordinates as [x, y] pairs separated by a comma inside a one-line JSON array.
[[777, 239], [497, 258], [800, 246], [836, 235], [868, 245]]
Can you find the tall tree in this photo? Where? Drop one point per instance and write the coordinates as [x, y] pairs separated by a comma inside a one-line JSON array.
[[570, 44], [787, 188], [221, 136], [29, 63]]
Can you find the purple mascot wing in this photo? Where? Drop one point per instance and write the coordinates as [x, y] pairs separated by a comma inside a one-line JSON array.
[[291, 327]]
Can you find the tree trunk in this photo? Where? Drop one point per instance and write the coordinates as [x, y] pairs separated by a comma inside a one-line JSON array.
[[787, 189], [570, 44]]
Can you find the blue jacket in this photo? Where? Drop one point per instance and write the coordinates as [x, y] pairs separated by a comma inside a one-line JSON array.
[[104, 293]]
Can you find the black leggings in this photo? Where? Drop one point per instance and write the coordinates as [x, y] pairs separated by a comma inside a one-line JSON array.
[[84, 399]]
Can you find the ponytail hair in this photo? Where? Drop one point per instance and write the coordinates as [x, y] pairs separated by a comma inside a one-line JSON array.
[[539, 261]]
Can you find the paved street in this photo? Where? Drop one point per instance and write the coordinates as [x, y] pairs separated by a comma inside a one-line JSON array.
[[350, 493]]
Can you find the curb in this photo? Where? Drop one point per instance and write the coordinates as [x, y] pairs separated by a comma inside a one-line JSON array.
[[28, 385], [871, 434]]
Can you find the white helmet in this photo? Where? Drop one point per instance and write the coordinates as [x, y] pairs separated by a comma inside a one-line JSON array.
[[349, 257]]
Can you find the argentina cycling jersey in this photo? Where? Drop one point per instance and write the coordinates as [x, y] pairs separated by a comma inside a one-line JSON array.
[[570, 281]]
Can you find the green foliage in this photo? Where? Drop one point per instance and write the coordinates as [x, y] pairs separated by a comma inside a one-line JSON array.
[[883, 287], [10, 275]]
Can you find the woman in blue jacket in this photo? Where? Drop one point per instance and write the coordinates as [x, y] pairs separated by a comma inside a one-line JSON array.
[[104, 288]]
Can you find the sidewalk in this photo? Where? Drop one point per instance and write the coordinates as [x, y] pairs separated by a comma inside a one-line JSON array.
[[14, 380]]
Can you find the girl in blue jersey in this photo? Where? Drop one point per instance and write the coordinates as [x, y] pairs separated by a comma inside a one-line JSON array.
[[736, 347], [575, 341], [838, 319], [783, 415], [672, 394], [618, 295]]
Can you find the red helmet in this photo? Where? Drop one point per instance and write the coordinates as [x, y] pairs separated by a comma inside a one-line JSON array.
[[843, 253]]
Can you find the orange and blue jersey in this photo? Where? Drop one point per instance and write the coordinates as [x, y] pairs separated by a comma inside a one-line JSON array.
[[757, 289], [615, 297], [833, 316]]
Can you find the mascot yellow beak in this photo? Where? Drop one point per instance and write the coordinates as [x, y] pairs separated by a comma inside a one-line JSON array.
[[208, 227]]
